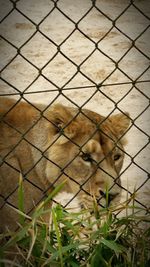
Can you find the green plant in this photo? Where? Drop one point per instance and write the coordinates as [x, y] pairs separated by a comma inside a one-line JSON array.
[[78, 239]]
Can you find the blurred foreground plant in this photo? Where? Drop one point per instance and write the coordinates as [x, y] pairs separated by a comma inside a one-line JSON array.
[[74, 239]]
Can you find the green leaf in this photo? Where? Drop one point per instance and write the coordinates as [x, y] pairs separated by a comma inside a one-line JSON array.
[[56, 190], [59, 212], [113, 246], [17, 236], [65, 249], [39, 211], [98, 260], [74, 264], [58, 236]]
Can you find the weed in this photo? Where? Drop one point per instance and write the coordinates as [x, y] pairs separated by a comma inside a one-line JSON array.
[[73, 239]]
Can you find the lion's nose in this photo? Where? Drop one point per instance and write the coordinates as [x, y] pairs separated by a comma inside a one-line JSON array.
[[108, 195]]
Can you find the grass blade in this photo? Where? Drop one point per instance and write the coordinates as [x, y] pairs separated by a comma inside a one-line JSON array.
[[58, 236], [21, 200]]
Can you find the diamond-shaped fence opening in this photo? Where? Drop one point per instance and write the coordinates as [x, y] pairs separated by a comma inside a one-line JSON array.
[[88, 55]]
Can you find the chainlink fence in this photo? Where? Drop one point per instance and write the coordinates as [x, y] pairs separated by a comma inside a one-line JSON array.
[[76, 52]]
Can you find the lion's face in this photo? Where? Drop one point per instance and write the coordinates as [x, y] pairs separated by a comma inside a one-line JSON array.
[[79, 146], [89, 156]]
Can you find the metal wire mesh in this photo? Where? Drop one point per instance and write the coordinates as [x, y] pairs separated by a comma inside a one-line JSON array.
[[77, 25]]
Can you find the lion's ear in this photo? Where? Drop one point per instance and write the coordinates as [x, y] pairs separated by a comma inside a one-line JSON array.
[[62, 122], [120, 123]]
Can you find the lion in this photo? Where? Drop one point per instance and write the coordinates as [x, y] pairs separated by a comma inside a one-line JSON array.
[[51, 144]]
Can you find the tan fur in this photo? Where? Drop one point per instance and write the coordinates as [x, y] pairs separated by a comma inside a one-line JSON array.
[[47, 146]]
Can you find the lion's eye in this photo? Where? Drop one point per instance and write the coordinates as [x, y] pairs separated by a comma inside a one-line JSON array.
[[117, 157], [86, 157]]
